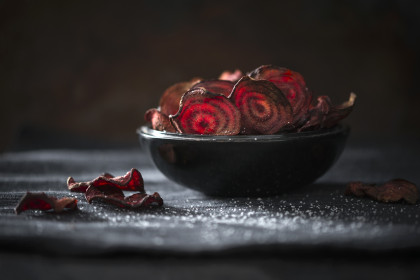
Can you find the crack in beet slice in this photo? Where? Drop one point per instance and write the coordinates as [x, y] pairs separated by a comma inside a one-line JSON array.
[[112, 195], [326, 115], [392, 191], [204, 112], [131, 181], [216, 86], [169, 102], [292, 85], [231, 76], [41, 201], [264, 109], [158, 120]]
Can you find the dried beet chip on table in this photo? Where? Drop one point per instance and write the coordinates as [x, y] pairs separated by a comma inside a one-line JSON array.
[[41, 201], [158, 120], [263, 107], [392, 191], [169, 102], [131, 181], [203, 112], [216, 86], [292, 85], [112, 195]]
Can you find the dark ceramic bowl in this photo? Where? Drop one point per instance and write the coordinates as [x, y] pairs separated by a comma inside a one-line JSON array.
[[257, 165]]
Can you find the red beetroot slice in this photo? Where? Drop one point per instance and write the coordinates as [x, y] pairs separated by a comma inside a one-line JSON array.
[[291, 84], [169, 102], [216, 86], [112, 195], [203, 112], [158, 120], [326, 115], [392, 191], [231, 76], [264, 109], [41, 201], [131, 181]]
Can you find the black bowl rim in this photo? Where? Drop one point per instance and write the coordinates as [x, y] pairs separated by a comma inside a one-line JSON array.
[[147, 132]]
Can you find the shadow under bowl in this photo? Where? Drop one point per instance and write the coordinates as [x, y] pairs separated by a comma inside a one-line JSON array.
[[244, 165]]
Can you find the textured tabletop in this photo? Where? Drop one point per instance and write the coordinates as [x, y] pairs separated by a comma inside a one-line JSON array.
[[317, 217]]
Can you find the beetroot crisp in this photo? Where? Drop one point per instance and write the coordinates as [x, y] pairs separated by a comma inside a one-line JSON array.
[[392, 191], [204, 112], [41, 201], [270, 99], [113, 195], [132, 181], [109, 189]]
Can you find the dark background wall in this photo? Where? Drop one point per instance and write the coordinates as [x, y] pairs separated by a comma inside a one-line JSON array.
[[78, 72]]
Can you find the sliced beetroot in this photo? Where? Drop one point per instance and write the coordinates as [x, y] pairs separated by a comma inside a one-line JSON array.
[[392, 191], [231, 76], [326, 115], [112, 195], [132, 181], [292, 85], [41, 201], [263, 107], [317, 114], [216, 86], [204, 112], [337, 113], [169, 102], [158, 120]]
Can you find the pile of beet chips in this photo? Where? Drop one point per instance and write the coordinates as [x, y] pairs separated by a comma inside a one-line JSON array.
[[267, 100]]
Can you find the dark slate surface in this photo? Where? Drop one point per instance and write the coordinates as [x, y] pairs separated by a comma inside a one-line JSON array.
[[317, 218]]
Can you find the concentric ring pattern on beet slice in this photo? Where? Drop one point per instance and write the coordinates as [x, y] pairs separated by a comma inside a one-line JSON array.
[[216, 86], [292, 85], [158, 120], [204, 112], [263, 107], [169, 102]]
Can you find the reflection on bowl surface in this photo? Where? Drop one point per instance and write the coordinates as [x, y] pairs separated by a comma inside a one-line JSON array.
[[244, 165]]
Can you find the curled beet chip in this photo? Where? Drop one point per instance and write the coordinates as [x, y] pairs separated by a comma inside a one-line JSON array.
[[292, 85], [112, 195], [264, 109], [41, 201], [216, 86], [158, 120], [326, 115], [392, 191], [132, 181], [169, 102], [231, 76], [203, 112], [337, 113]]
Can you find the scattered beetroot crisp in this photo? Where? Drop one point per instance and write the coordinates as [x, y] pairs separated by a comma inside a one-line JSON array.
[[131, 181], [109, 189], [41, 201], [112, 195], [392, 191], [268, 100]]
